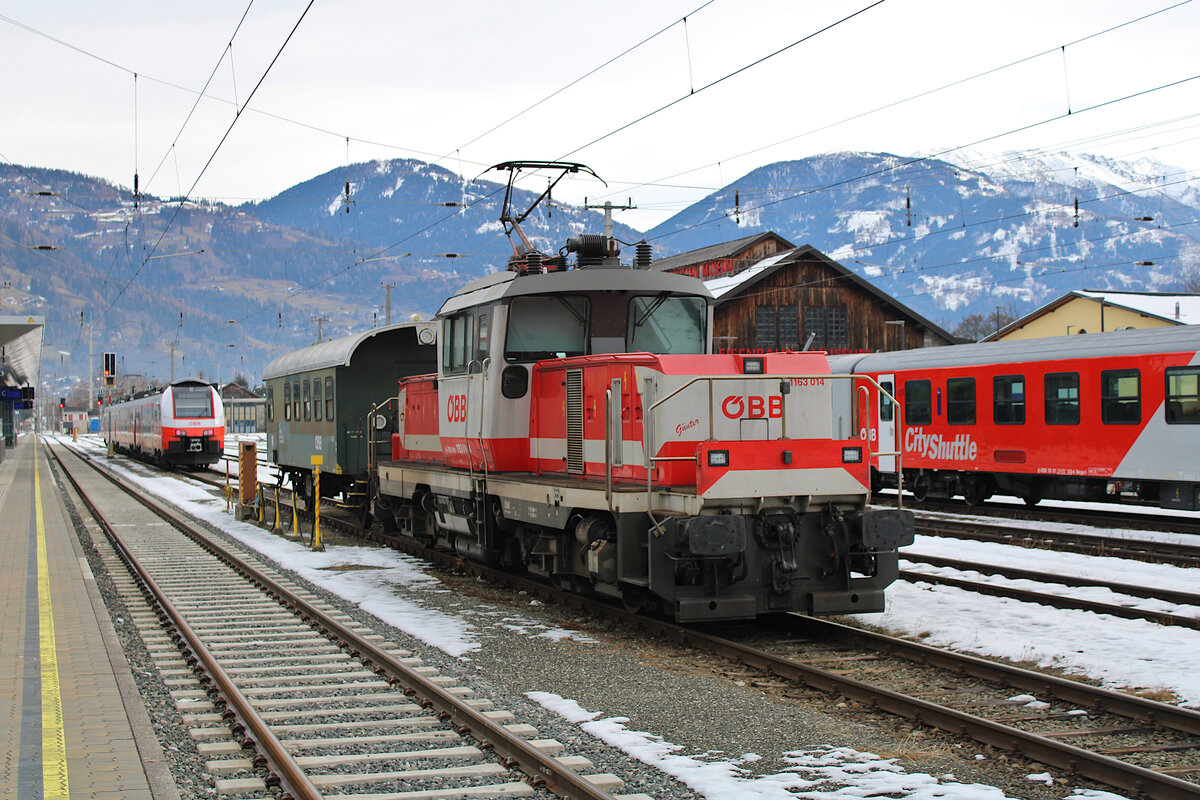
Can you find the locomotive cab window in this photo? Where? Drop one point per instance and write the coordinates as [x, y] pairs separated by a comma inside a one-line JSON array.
[[1062, 398], [192, 402], [546, 327], [960, 401], [1008, 399], [1120, 397], [918, 405], [666, 324], [1183, 395], [458, 336]]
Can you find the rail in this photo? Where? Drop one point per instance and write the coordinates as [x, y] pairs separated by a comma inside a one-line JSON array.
[[785, 385]]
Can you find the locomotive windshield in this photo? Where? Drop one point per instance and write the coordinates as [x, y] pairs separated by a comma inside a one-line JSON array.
[[193, 402], [666, 324], [547, 327]]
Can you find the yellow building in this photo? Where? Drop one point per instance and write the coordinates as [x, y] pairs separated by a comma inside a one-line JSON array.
[[1090, 311]]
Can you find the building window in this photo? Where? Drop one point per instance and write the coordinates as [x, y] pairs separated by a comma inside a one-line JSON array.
[[1183, 395], [1008, 399], [1062, 398], [777, 328], [918, 406], [960, 401], [1120, 397], [827, 327]]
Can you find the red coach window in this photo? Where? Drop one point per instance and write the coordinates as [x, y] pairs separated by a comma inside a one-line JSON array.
[[1008, 399], [960, 401], [1120, 397], [918, 408], [1062, 398], [1183, 395]]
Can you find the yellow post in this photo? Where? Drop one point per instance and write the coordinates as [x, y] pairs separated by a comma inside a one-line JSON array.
[[316, 540], [275, 528], [295, 515]]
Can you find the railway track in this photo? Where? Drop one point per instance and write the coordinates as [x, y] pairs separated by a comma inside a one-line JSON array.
[[1046, 580], [1130, 743], [285, 695], [1118, 516]]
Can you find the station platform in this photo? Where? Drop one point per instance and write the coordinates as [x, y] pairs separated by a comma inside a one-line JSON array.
[[69, 709]]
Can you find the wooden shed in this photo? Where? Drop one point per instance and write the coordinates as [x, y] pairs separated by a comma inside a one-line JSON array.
[[798, 296]]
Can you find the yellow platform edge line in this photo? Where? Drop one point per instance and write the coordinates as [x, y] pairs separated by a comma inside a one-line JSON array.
[[54, 744]]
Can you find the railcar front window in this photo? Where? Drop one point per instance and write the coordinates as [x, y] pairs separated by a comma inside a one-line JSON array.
[[193, 402], [1120, 397], [918, 403], [547, 327], [1008, 399], [1183, 395], [1062, 398], [665, 324]]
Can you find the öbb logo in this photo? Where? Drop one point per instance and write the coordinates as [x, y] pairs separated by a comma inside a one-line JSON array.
[[456, 408], [752, 406]]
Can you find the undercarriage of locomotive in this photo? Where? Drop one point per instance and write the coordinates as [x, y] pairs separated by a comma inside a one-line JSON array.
[[722, 565]]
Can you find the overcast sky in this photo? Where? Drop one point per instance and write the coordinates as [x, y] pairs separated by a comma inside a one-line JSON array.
[[431, 81]]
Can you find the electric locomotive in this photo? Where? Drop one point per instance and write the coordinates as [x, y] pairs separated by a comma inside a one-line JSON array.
[[180, 425], [1101, 417], [580, 427]]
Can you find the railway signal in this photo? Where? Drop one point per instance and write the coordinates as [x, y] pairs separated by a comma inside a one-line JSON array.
[[110, 369]]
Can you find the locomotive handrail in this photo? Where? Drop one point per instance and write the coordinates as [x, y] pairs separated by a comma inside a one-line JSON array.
[[371, 456], [898, 452]]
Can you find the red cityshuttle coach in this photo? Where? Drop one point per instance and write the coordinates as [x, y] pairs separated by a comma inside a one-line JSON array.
[[1109, 417]]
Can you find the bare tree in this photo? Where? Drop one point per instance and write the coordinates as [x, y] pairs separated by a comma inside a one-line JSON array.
[[977, 326]]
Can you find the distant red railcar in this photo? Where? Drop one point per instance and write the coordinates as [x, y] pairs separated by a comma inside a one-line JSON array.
[[181, 425], [1108, 417]]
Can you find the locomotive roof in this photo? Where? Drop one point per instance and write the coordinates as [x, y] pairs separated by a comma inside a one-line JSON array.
[[509, 284], [1065, 348], [333, 352]]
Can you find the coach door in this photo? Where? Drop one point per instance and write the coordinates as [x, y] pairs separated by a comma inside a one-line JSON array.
[[887, 425]]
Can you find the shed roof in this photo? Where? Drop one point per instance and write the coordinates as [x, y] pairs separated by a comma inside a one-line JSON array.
[[1175, 308], [715, 251], [334, 352]]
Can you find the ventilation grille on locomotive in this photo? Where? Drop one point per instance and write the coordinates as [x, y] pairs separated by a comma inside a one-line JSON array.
[[575, 421]]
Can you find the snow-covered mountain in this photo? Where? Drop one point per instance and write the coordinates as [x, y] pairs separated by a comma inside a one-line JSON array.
[[966, 232]]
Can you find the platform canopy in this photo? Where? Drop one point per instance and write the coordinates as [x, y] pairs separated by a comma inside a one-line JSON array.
[[20, 349]]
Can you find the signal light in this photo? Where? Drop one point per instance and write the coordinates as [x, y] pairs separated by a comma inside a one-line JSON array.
[[62, 402]]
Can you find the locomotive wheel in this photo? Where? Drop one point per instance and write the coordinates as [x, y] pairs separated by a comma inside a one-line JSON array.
[[635, 599]]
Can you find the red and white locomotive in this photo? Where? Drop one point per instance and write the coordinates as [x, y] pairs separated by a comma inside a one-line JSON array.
[[181, 425], [580, 427], [1107, 417]]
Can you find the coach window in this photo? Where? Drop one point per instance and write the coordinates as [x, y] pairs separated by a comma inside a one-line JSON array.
[[546, 327], [960, 401], [918, 409], [1120, 397], [329, 398], [1183, 395], [287, 401], [317, 399], [307, 401], [1008, 399], [270, 403], [886, 412], [296, 400], [1062, 398]]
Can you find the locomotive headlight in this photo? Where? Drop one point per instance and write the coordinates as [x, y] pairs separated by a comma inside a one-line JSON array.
[[752, 366], [851, 455], [180, 432], [208, 432], [718, 458]]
